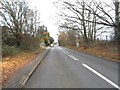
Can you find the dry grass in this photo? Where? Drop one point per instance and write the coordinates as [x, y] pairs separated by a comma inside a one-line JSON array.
[[108, 52], [11, 64]]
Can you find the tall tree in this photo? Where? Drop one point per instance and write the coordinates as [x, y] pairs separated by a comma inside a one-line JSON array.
[[12, 14], [117, 20], [88, 16], [19, 18]]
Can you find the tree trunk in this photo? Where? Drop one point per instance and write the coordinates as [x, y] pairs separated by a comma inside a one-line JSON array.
[[83, 21], [117, 26]]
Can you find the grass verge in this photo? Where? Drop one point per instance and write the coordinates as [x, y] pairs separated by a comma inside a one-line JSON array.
[[108, 53], [11, 64]]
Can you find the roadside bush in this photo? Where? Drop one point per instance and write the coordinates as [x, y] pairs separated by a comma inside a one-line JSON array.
[[11, 41], [9, 50], [29, 42]]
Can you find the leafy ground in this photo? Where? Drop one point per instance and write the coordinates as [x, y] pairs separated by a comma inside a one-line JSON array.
[[10, 65], [108, 52]]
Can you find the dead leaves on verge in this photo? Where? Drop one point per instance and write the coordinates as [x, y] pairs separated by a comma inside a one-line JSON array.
[[10, 65], [109, 52]]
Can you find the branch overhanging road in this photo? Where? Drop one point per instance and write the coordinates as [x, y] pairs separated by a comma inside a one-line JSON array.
[[65, 68]]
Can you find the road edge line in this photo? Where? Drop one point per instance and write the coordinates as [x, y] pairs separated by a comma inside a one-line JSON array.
[[102, 76], [34, 68]]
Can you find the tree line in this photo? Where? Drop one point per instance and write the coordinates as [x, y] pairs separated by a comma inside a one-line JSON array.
[[21, 27], [88, 19]]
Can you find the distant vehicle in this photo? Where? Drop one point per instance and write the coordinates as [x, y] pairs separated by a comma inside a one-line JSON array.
[[51, 45]]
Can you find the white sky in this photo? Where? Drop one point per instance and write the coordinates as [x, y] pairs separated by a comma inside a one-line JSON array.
[[47, 13]]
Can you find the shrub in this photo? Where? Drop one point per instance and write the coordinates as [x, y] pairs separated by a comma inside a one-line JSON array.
[[29, 42], [9, 50]]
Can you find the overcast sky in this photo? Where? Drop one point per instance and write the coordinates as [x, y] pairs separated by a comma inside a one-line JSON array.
[[47, 13]]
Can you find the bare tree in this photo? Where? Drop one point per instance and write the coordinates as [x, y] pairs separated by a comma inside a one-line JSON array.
[[86, 16], [12, 14], [19, 18], [81, 19]]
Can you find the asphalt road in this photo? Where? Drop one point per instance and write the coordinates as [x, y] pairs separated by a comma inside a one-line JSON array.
[[65, 68]]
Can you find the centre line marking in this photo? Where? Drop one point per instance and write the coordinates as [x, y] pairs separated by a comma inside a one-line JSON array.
[[100, 75], [64, 52], [67, 52], [70, 56], [74, 58]]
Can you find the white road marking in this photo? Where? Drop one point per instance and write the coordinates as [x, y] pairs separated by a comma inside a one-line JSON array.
[[74, 58], [65, 52], [100, 75], [71, 56]]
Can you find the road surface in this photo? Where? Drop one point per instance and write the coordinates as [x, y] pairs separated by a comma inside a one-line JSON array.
[[65, 68]]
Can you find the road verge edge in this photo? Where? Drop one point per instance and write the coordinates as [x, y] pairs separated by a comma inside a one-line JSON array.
[[34, 68]]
